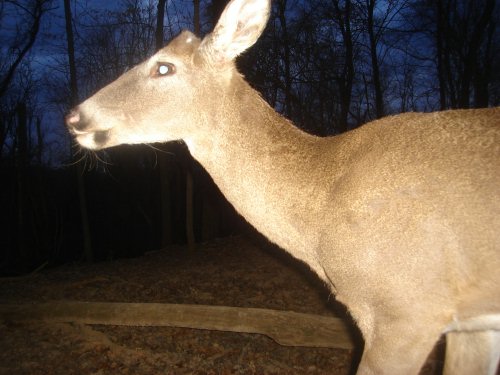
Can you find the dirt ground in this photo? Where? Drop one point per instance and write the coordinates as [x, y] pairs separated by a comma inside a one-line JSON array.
[[233, 271]]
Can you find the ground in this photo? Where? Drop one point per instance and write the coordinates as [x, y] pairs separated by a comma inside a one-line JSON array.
[[234, 271]]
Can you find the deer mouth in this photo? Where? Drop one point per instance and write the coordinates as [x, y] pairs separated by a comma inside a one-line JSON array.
[[95, 140], [101, 137]]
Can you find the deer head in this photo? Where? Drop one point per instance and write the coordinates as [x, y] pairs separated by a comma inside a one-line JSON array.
[[176, 94]]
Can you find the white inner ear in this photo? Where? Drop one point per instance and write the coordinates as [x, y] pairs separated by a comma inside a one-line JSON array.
[[239, 27]]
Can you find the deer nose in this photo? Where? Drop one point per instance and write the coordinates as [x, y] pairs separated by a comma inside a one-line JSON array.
[[75, 121]]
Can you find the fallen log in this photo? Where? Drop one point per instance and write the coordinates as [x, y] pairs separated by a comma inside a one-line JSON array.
[[285, 327]]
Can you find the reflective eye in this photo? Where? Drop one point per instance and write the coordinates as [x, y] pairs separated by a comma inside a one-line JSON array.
[[164, 69]]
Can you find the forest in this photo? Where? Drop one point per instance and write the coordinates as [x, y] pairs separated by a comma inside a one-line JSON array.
[[329, 66]]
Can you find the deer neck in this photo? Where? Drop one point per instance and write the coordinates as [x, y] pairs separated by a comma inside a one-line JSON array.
[[262, 164]]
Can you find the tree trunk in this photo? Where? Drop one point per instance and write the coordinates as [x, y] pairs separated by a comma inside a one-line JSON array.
[[160, 15], [462, 37], [187, 160], [379, 100], [21, 51], [471, 63], [286, 58], [22, 183], [196, 17], [189, 205], [483, 72], [440, 56], [346, 80], [163, 161], [39, 137], [87, 242]]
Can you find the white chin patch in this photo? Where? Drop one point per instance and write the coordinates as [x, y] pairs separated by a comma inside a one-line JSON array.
[[88, 141]]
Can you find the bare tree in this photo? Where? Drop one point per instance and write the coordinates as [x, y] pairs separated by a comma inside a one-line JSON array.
[[30, 15], [87, 243], [285, 46], [22, 195], [374, 37], [463, 34], [196, 17], [346, 79]]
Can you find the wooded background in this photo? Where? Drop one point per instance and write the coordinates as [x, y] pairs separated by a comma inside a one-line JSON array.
[[328, 65]]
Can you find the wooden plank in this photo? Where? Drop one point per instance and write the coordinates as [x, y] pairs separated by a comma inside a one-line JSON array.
[[285, 327]]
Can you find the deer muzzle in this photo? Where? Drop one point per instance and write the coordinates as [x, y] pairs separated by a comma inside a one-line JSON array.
[[87, 136]]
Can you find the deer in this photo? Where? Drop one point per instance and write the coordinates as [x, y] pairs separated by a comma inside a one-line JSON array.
[[400, 217]]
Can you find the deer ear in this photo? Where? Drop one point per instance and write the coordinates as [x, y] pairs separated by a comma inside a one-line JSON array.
[[239, 27]]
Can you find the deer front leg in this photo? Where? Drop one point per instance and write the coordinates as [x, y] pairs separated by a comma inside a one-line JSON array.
[[475, 352], [397, 348]]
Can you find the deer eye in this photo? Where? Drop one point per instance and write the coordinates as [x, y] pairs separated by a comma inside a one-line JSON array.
[[163, 69]]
